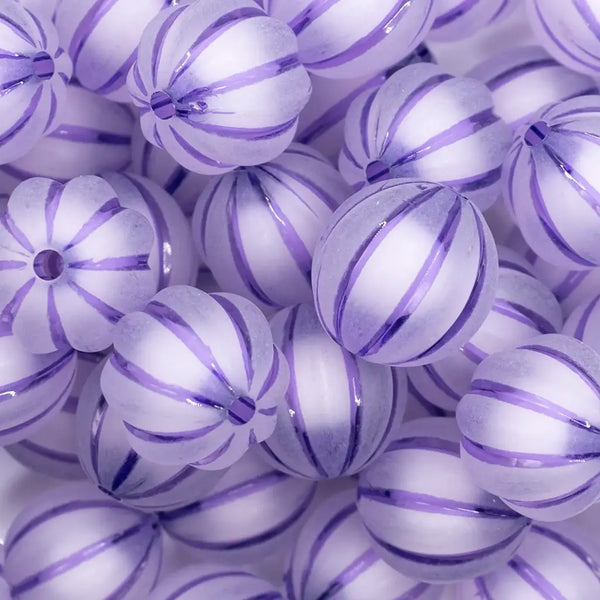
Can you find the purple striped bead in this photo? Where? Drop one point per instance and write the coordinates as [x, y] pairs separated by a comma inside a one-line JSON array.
[[382, 270], [425, 515], [531, 427], [73, 262], [210, 109]]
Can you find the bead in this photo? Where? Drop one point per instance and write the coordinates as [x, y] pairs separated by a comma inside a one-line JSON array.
[[550, 182], [74, 262], [216, 396], [34, 72], [72, 543], [333, 557], [218, 85], [109, 461], [289, 201], [383, 268], [334, 421], [530, 427], [525, 79], [426, 516], [584, 321], [523, 308], [348, 38], [252, 512]]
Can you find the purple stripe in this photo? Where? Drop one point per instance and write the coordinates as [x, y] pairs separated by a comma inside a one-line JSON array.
[[159, 42], [17, 28], [95, 433], [507, 264], [517, 148], [476, 182], [7, 87], [363, 122], [9, 312], [119, 78], [48, 453], [139, 82], [247, 133], [589, 17], [523, 315], [106, 212], [87, 135], [432, 409], [535, 579], [51, 203], [122, 263], [12, 131], [156, 437], [21, 174], [269, 382], [165, 486], [87, 25], [355, 395], [213, 456], [6, 265], [584, 319], [110, 313], [70, 406], [194, 152], [57, 331], [569, 284], [482, 589], [216, 182], [432, 444], [354, 570], [310, 14], [176, 178], [473, 353], [456, 12], [179, 592], [348, 154], [125, 470], [518, 71], [283, 465], [439, 382]]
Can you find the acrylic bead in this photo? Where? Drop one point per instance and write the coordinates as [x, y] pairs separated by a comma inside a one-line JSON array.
[[74, 262], [72, 543], [218, 85], [33, 388], [523, 308], [351, 38], [210, 392], [333, 421], [251, 513], [530, 427], [381, 280], [34, 72], [425, 515], [550, 182], [109, 461], [289, 201]]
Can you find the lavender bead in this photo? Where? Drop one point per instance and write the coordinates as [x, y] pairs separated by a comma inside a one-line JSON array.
[[290, 201], [382, 271], [73, 543], [74, 262], [525, 79], [426, 516], [523, 308], [33, 388], [34, 72], [215, 395], [349, 38], [530, 427], [334, 421], [219, 84], [423, 122]]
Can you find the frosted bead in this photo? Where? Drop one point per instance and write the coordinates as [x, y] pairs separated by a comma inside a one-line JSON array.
[[72, 543], [334, 421], [74, 262], [34, 72], [383, 268], [195, 377], [426, 516], [333, 557], [423, 122], [218, 85], [351, 38], [289, 201], [531, 424], [109, 461]]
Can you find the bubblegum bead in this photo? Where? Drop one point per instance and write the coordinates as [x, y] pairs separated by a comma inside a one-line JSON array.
[[523, 308], [33, 388], [530, 427], [109, 461], [72, 542], [551, 182], [333, 421], [251, 513], [425, 515], [383, 268], [349, 38], [212, 390], [219, 84], [333, 557], [289, 201], [34, 73], [74, 262]]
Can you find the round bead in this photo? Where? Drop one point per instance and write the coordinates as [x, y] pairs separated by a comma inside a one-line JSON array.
[[74, 262], [523, 308], [531, 427], [424, 513], [289, 201], [251, 513], [34, 72], [109, 461], [72, 542], [333, 557], [219, 85], [334, 421], [383, 269], [399, 130], [216, 396], [349, 38]]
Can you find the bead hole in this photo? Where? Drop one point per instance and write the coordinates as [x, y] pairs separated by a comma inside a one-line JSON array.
[[537, 133], [241, 410], [43, 65], [48, 265]]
